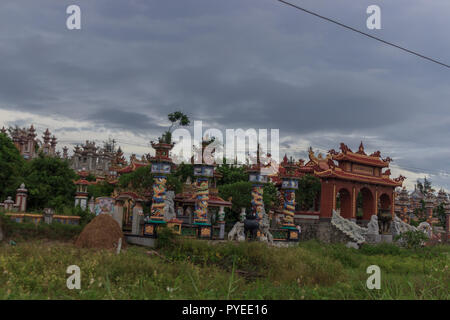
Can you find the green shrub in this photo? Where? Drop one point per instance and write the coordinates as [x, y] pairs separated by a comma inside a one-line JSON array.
[[412, 239], [166, 237]]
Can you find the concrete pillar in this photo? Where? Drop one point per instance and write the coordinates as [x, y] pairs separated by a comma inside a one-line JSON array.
[[429, 209], [138, 215], [8, 204], [118, 212], [221, 223], [21, 198], [48, 215], [92, 205]]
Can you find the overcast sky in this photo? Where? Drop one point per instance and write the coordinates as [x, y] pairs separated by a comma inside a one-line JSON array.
[[234, 64]]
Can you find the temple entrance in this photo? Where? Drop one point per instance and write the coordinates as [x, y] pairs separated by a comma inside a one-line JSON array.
[[344, 203], [367, 204], [384, 213], [352, 182]]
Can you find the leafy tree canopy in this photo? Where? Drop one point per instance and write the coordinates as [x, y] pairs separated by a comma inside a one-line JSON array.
[[101, 189], [177, 119], [11, 166], [141, 181], [183, 171], [49, 182], [231, 174], [241, 197], [308, 189]]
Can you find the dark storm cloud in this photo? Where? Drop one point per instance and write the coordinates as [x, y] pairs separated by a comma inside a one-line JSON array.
[[237, 63], [123, 119]]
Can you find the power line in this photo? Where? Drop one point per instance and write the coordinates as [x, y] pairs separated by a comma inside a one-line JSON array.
[[364, 33]]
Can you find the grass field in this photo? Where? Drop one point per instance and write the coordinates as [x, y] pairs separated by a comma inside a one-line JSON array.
[[192, 269]]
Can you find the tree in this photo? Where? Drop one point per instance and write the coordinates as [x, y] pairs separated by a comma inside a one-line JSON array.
[[11, 166], [270, 196], [241, 193], [141, 181], [426, 187], [183, 171], [49, 182], [100, 189], [231, 174], [177, 119], [241, 197], [308, 189]]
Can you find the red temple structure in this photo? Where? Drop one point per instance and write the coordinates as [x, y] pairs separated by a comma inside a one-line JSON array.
[[344, 174]]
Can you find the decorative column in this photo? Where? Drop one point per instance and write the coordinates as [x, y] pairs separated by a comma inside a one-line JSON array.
[[118, 212], [161, 168], [202, 172], [289, 186], [429, 209], [21, 198], [8, 204], [253, 222], [403, 203], [138, 214], [81, 196], [48, 215], [92, 205]]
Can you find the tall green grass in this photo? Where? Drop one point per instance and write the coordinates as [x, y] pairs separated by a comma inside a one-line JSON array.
[[194, 269]]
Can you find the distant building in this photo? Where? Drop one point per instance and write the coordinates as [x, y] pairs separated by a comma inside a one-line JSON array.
[[28, 145], [103, 162], [408, 204]]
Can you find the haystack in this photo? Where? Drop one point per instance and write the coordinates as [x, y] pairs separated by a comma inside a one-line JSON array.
[[103, 232]]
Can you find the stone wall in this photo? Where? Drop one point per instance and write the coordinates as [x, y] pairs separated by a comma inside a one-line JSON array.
[[330, 234], [309, 230], [323, 231]]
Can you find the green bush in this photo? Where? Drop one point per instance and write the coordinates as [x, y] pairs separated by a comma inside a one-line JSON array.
[[166, 237], [412, 239]]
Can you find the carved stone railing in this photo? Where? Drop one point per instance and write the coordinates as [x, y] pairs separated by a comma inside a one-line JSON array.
[[398, 226], [349, 228]]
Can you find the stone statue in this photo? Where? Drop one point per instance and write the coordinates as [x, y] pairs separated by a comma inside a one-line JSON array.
[[398, 227], [237, 233], [264, 227], [372, 226], [169, 208], [425, 228]]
